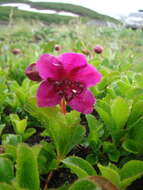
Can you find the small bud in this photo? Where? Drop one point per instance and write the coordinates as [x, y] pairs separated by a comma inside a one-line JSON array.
[[57, 47], [16, 51], [2, 150], [32, 72], [85, 51], [98, 49]]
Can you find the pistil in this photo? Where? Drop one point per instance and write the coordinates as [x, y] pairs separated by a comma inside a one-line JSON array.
[[63, 104]]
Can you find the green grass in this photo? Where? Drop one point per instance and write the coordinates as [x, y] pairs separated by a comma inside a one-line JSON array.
[[79, 10]]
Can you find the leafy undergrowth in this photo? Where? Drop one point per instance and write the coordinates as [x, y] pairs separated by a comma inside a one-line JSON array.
[[41, 148]]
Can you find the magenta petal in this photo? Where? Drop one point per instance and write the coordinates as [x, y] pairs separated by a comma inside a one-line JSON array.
[[88, 75], [72, 61], [49, 66], [77, 69], [83, 103], [46, 95]]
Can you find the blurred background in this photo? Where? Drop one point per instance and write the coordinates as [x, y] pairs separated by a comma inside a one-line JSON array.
[[102, 12]]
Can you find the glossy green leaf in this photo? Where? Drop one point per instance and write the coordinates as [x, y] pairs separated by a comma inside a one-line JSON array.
[[120, 112], [11, 139], [41, 114], [95, 128], [111, 151], [130, 146], [66, 132], [10, 150], [136, 112], [79, 166], [27, 174], [134, 92], [130, 172], [18, 125], [135, 133], [111, 174], [84, 184], [6, 170], [105, 116], [28, 133], [123, 87]]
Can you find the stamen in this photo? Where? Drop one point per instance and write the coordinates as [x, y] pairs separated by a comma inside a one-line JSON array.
[[68, 89], [74, 91]]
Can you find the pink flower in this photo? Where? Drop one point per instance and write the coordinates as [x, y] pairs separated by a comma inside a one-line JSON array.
[[65, 81]]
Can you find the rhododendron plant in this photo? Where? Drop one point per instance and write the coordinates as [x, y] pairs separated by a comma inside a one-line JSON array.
[[65, 81]]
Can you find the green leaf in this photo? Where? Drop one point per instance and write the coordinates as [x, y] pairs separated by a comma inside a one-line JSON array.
[[36, 149], [6, 170], [18, 125], [92, 122], [27, 174], [111, 174], [95, 129], [84, 184], [112, 151], [79, 166], [130, 146], [135, 133], [2, 126], [120, 112], [4, 186], [123, 87], [28, 133], [47, 158], [41, 114], [66, 132], [14, 186], [134, 92], [130, 172], [136, 112], [105, 116], [11, 139], [11, 151]]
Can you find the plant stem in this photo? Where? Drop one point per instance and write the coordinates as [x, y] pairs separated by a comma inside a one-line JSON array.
[[48, 180]]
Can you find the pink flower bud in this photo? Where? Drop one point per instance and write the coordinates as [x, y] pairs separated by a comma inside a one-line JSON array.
[[85, 51], [32, 73], [98, 49], [16, 51], [57, 47]]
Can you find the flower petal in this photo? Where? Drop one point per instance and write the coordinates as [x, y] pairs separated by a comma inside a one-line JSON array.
[[83, 103], [49, 66], [46, 95], [77, 69], [88, 75], [72, 62]]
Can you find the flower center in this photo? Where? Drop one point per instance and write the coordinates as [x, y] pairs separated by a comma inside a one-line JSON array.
[[68, 89]]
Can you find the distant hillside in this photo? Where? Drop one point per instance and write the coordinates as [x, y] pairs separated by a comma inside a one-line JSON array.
[[79, 10], [5, 13]]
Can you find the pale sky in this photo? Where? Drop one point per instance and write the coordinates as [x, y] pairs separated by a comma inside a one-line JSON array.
[[113, 8]]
